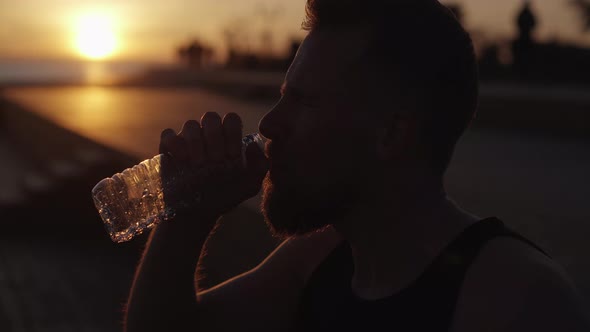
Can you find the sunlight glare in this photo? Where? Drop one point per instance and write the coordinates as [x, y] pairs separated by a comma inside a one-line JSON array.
[[95, 36]]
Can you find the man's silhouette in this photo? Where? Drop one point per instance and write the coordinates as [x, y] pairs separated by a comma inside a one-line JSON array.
[[371, 109]]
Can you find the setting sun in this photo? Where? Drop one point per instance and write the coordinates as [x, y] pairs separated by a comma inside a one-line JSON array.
[[95, 36]]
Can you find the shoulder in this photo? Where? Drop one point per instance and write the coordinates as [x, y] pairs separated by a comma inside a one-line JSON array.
[[512, 286]]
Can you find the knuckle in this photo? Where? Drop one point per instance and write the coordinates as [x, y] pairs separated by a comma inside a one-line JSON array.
[[232, 117], [176, 140], [192, 125], [167, 133], [210, 116], [191, 129]]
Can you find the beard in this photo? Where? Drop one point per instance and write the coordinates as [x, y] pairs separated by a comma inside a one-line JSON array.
[[290, 210]]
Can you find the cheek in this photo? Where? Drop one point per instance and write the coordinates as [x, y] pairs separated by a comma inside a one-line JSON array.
[[335, 149], [334, 162]]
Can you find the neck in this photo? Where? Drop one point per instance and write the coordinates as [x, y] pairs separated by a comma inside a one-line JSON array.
[[395, 236]]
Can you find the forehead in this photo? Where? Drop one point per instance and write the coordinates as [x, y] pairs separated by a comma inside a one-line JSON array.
[[324, 60]]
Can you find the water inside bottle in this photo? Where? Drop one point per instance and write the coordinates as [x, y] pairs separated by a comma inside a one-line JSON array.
[[132, 201]]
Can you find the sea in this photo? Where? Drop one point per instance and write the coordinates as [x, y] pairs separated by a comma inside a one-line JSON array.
[[27, 71], [83, 97]]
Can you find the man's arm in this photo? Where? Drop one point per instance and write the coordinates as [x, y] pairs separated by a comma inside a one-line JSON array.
[[263, 299], [163, 293], [266, 298]]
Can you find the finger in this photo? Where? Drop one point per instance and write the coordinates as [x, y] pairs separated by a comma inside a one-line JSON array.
[[165, 137], [232, 131], [172, 144], [213, 135], [192, 134]]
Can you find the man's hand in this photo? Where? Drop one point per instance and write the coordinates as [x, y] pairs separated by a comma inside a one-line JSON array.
[[208, 157]]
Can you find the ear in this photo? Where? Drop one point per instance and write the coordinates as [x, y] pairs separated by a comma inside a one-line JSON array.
[[397, 136]]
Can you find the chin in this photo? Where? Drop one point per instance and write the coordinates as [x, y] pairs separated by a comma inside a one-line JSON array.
[[289, 211]]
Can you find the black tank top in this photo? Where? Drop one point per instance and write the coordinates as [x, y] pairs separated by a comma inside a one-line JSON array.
[[427, 304]]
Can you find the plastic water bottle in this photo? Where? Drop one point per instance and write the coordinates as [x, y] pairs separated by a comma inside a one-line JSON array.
[[132, 201]]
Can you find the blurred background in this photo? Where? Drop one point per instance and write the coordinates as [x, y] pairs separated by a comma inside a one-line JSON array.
[[86, 87]]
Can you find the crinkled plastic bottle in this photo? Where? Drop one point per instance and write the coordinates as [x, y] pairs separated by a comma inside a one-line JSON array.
[[132, 201]]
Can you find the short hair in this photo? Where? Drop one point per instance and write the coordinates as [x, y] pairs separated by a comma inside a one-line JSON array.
[[422, 43]]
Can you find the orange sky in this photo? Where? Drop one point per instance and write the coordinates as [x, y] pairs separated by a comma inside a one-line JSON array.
[[150, 30]]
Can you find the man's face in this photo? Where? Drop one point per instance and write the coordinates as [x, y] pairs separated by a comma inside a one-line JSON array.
[[321, 141]]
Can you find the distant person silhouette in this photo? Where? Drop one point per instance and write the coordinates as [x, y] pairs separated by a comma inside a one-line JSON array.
[[371, 109], [526, 22], [523, 48]]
